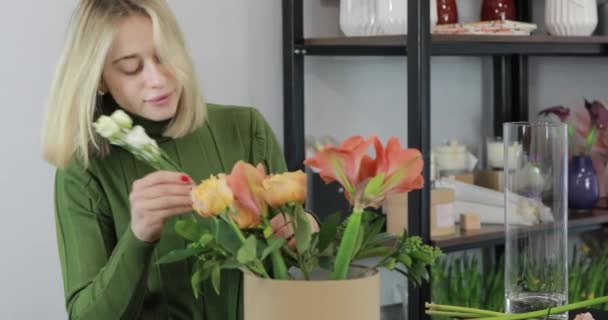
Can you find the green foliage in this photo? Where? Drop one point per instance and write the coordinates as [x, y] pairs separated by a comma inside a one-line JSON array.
[[460, 281], [218, 244]]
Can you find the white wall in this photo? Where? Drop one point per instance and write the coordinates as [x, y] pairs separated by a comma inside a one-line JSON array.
[[237, 47], [30, 286]]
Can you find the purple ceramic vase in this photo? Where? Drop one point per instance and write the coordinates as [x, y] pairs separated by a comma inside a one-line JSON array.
[[583, 184]]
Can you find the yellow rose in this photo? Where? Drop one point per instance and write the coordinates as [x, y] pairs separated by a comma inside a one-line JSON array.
[[284, 188], [212, 196]]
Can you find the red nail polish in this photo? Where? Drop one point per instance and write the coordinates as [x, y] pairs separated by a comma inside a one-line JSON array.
[[185, 178]]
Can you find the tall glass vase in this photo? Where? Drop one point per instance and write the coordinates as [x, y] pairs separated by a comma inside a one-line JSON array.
[[536, 204]]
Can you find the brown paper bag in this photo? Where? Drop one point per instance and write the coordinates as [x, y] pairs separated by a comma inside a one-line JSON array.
[[353, 299]]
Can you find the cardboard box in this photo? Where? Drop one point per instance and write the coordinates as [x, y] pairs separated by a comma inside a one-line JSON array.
[[491, 179], [470, 221], [463, 177], [395, 209], [443, 216]]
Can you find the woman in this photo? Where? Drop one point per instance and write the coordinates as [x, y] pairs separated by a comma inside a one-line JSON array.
[[114, 214]]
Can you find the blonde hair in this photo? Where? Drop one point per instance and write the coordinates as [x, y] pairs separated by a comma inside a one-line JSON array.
[[73, 101]]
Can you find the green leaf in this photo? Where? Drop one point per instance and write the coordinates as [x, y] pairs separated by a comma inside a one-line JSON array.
[[381, 238], [405, 260], [206, 268], [390, 264], [374, 229], [216, 278], [231, 264], [195, 280], [189, 229], [421, 271], [422, 256], [275, 244], [326, 262], [328, 230], [209, 223], [314, 242], [247, 252], [374, 187], [379, 251], [227, 238], [302, 231], [260, 246], [180, 254], [205, 239]]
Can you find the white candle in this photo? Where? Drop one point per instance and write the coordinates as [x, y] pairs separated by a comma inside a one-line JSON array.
[[496, 154]]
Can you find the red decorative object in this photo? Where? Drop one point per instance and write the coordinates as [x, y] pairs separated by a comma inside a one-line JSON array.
[[498, 10], [447, 11]]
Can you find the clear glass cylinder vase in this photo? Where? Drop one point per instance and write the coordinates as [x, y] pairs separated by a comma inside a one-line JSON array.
[[536, 204]]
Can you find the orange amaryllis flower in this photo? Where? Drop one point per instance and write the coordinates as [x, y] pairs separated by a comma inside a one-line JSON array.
[[246, 182], [212, 196], [341, 163], [288, 187], [395, 170]]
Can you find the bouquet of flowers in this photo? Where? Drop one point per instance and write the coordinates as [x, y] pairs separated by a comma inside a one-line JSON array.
[[231, 228]]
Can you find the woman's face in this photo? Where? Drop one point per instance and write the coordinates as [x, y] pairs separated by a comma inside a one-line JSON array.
[[134, 75]]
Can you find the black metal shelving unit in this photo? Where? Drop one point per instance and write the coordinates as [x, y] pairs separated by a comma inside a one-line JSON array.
[[510, 56]]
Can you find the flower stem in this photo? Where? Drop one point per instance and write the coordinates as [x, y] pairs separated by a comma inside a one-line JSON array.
[[347, 245], [234, 227], [557, 310], [256, 265], [278, 264], [440, 307], [170, 161], [523, 316], [457, 315]]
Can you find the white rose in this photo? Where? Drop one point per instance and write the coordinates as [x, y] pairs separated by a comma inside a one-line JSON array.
[[122, 119], [106, 127], [138, 139]]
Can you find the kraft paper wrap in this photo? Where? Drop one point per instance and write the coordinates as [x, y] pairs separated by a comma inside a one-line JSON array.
[[354, 299]]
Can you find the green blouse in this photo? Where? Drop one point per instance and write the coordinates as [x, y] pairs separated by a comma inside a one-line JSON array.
[[107, 272]]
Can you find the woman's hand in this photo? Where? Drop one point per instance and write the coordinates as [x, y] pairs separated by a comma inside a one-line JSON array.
[[281, 225], [155, 198]]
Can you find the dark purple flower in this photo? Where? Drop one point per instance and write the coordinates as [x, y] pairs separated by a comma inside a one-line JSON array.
[[562, 112], [597, 113]]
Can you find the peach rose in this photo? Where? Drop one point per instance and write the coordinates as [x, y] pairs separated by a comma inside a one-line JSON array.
[[289, 187]]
